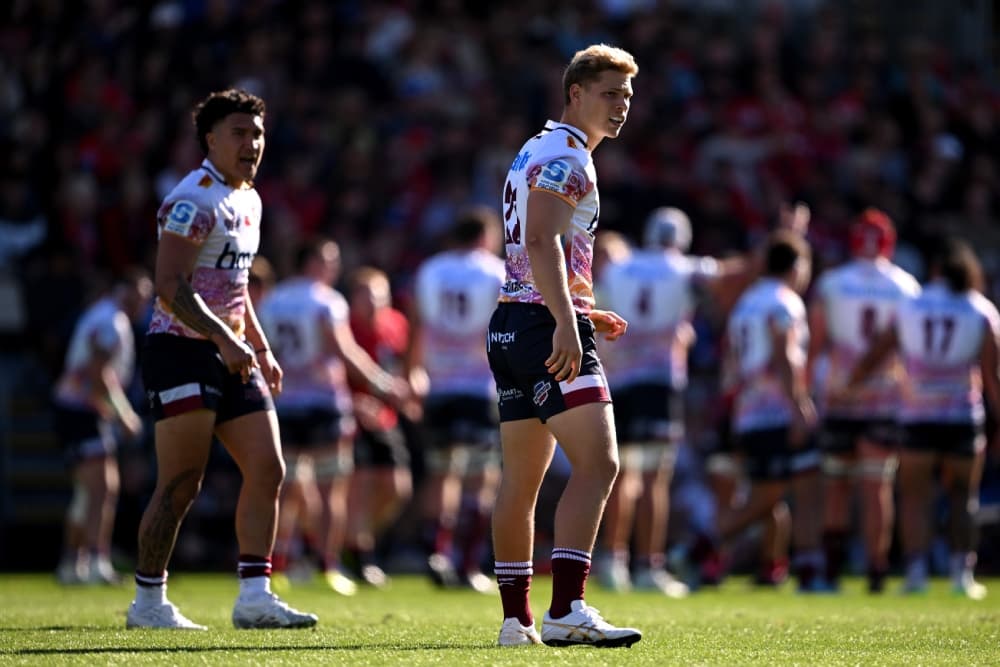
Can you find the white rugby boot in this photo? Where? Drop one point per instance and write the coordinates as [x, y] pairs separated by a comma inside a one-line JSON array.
[[649, 579], [613, 574], [267, 610], [584, 625], [512, 633], [967, 586], [161, 616]]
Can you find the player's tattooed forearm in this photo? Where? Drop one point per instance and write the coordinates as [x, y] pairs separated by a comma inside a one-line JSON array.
[[156, 540], [192, 311]]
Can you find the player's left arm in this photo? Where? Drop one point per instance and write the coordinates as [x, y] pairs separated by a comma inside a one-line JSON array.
[[884, 344], [791, 375], [106, 392], [413, 359], [989, 365], [269, 366], [609, 323], [817, 335]]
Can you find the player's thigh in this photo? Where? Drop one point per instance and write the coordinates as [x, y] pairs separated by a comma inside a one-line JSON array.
[[183, 443], [916, 470], [93, 474], [527, 447], [252, 441], [587, 434]]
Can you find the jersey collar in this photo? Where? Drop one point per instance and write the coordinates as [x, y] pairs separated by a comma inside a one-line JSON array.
[[213, 171], [577, 133]]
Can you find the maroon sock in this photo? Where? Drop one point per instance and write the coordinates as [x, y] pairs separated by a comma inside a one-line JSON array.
[[514, 582], [475, 540], [570, 568], [253, 566], [835, 547]]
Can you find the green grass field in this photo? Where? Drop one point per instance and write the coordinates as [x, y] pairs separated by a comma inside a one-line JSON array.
[[414, 624]]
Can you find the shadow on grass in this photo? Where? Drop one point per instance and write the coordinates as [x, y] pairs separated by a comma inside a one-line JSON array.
[[220, 649]]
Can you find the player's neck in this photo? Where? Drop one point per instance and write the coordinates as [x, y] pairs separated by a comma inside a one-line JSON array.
[[571, 119]]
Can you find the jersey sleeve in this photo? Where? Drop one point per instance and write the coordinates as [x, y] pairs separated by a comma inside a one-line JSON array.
[[335, 311], [105, 337], [562, 176], [991, 316], [187, 218], [781, 317]]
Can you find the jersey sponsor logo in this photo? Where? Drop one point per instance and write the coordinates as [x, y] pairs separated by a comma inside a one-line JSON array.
[[230, 259], [510, 394], [521, 161], [181, 216], [571, 143], [541, 389], [515, 287], [205, 182], [554, 175]]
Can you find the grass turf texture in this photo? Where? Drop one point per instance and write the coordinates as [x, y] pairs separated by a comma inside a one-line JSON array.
[[413, 623]]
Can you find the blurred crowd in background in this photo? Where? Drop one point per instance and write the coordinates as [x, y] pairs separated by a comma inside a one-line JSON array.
[[385, 118]]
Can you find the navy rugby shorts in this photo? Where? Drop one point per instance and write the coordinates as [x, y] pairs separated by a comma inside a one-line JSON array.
[[649, 413], [518, 342], [186, 374], [460, 420], [959, 439]]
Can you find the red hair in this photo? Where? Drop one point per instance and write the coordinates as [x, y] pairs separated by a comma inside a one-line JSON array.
[[872, 235]]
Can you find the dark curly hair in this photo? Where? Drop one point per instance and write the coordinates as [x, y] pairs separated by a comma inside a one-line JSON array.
[[954, 260], [220, 104]]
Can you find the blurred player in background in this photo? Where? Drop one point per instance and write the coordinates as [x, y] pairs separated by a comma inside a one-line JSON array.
[[208, 369], [773, 413], [90, 404], [261, 279], [656, 291], [948, 337], [307, 322], [542, 351], [456, 292], [382, 483], [852, 305]]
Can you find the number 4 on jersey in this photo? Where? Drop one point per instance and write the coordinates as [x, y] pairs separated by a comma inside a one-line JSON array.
[[512, 224]]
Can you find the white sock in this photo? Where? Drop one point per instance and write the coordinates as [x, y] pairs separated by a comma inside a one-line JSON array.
[[960, 566], [151, 596], [916, 570], [253, 586]]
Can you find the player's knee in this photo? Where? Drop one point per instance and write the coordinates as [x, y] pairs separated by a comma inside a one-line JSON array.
[[330, 466], [606, 468], [447, 460], [837, 468], [880, 470], [271, 472]]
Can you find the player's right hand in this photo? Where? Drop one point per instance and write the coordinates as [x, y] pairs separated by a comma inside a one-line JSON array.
[[803, 422], [238, 357], [567, 352], [132, 424]]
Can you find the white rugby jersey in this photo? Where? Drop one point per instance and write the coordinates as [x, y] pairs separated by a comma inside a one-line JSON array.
[[456, 293], [654, 292], [940, 335], [760, 401], [557, 161], [103, 325], [860, 300], [294, 316], [225, 222]]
